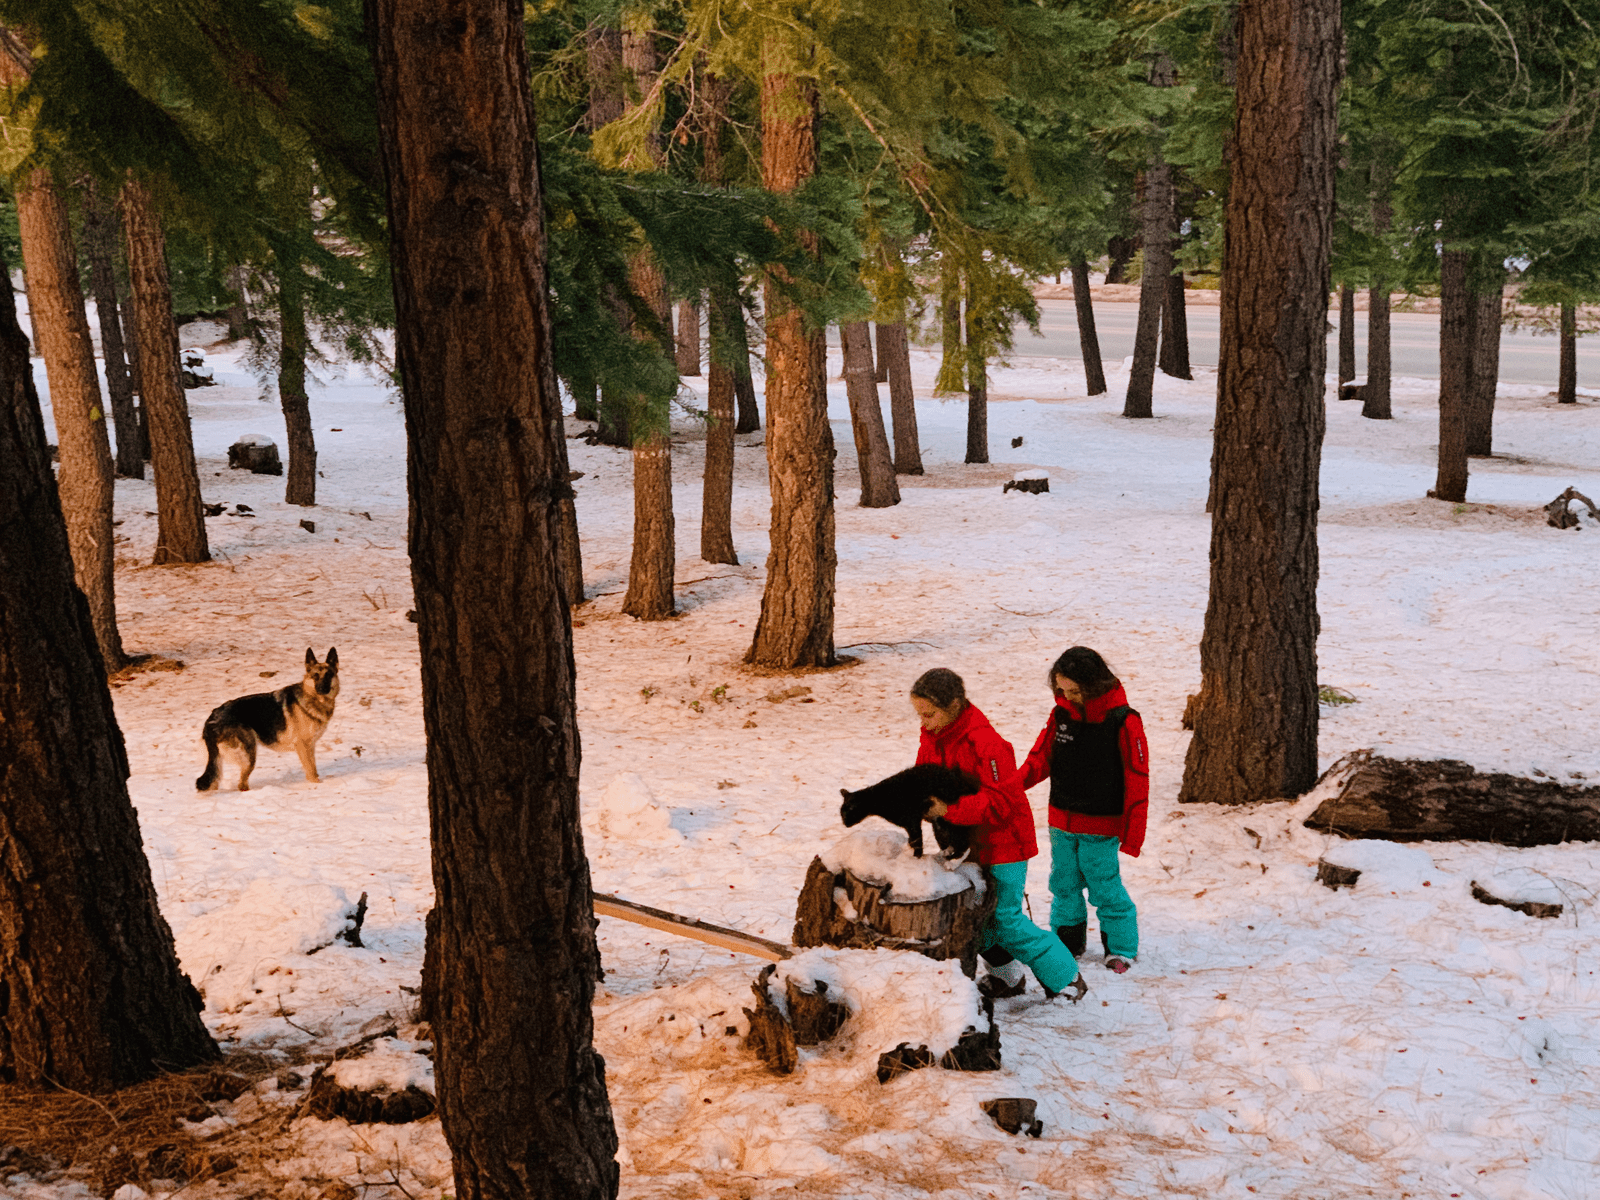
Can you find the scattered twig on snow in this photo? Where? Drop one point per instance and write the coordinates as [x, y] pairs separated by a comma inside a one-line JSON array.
[[1045, 613], [887, 645], [285, 1016], [370, 600]]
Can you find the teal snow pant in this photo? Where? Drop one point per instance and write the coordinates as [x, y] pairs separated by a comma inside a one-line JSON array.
[[1080, 861], [1011, 930]]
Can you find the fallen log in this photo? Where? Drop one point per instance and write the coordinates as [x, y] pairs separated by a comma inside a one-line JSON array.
[[1443, 800], [702, 931]]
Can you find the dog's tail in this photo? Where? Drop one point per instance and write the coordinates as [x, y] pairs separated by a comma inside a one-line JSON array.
[[208, 778]]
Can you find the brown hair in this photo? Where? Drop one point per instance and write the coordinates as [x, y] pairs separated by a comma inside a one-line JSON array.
[[1086, 669], [940, 687]]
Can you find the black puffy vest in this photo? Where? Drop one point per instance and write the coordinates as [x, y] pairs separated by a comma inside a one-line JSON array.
[[1086, 764]]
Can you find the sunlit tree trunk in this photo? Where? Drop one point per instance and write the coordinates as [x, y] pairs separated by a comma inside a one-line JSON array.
[[91, 994], [796, 624], [180, 522], [878, 486], [1255, 725], [511, 960], [61, 327], [894, 352], [688, 337]]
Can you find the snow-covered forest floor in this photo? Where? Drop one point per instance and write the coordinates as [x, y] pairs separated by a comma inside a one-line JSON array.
[[1275, 1038]]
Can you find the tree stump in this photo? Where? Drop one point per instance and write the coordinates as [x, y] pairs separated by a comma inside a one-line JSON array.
[[255, 453], [1532, 908], [838, 909], [813, 1017], [329, 1101], [1442, 800], [1034, 487], [771, 1037], [1332, 876]]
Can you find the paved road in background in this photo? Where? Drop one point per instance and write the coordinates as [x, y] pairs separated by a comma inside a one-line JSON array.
[[1414, 337]]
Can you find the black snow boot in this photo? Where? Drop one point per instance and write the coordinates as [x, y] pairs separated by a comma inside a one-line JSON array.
[[1074, 937]]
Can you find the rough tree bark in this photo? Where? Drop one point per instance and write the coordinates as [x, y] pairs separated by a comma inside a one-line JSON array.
[[511, 958], [716, 503], [61, 327], [894, 352], [99, 244], [130, 329], [301, 485], [654, 560], [1458, 319], [688, 337], [1485, 366], [1157, 216], [1255, 725], [880, 364], [93, 995], [1567, 380], [952, 358], [977, 383], [878, 486], [1376, 394], [1175, 330], [607, 88], [180, 522], [1347, 333], [726, 352], [1088, 337], [1120, 250], [796, 624]]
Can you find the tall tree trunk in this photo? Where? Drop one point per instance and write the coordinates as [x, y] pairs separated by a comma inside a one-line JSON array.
[[1255, 728], [1347, 333], [607, 89], [1485, 367], [744, 386], [94, 998], [1157, 214], [977, 382], [1088, 338], [180, 523], [585, 397], [61, 327], [716, 504], [880, 369], [511, 959], [130, 328], [239, 308], [894, 351], [1175, 331], [1458, 319], [1375, 394], [1121, 251], [688, 338], [99, 244], [878, 486], [301, 487], [952, 375], [796, 624], [1567, 381], [649, 595]]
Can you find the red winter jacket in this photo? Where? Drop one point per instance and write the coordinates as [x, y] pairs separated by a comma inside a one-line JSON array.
[[1129, 827], [999, 813]]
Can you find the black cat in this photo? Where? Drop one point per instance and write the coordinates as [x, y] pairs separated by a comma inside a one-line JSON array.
[[902, 799]]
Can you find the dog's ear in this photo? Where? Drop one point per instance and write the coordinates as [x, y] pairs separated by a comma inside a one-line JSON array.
[[333, 658], [311, 659], [845, 792]]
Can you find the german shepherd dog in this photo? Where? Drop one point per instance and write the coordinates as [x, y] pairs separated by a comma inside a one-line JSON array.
[[291, 717]]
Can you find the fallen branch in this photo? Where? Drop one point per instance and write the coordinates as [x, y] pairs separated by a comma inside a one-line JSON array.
[[701, 931]]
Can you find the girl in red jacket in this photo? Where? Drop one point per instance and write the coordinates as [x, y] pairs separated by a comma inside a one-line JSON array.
[[1092, 749], [955, 734]]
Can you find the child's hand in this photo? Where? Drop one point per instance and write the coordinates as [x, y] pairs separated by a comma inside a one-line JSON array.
[[936, 808]]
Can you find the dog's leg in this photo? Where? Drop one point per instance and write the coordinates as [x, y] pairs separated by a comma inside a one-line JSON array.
[[308, 760], [249, 749], [914, 837]]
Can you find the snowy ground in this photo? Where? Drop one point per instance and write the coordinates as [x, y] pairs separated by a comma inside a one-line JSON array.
[[1274, 1039]]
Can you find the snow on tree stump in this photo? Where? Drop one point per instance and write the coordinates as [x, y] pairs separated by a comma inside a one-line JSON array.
[[812, 1019], [379, 1081], [1442, 800], [257, 453], [871, 892]]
